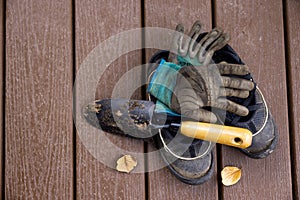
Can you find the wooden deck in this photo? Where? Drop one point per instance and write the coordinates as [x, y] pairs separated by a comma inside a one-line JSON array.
[[42, 45]]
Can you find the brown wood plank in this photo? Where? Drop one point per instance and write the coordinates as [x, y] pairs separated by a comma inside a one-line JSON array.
[[167, 14], [95, 22], [293, 47], [1, 89], [38, 109], [256, 29]]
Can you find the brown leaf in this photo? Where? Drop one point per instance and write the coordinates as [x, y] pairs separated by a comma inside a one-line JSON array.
[[230, 175], [126, 163]]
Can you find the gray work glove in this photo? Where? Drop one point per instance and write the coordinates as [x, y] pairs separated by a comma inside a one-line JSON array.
[[189, 90]]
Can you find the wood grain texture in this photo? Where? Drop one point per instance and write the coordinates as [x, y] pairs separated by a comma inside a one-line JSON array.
[[293, 47], [38, 107], [1, 89], [95, 22], [256, 30], [167, 14]]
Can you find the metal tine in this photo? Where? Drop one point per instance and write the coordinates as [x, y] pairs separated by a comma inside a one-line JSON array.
[[218, 44], [183, 49], [207, 41], [177, 37]]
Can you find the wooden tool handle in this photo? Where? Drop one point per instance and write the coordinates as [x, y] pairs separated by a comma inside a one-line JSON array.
[[228, 135]]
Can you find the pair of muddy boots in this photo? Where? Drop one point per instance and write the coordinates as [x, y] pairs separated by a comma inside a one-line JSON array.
[[190, 160]]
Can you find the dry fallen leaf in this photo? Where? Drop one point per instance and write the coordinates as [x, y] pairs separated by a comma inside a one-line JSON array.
[[126, 163], [230, 175]]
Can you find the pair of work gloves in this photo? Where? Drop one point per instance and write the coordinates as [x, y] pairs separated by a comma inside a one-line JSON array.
[[191, 84]]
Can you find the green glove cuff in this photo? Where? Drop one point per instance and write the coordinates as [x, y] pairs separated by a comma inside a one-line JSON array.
[[163, 82], [162, 108], [187, 61]]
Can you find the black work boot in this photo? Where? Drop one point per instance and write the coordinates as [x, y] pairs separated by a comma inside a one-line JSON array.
[[259, 120]]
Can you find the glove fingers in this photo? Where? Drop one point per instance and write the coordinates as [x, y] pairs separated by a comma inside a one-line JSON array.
[[194, 32], [232, 69], [194, 46], [200, 115], [228, 92], [214, 41], [230, 106], [218, 44], [176, 42], [207, 41], [179, 28], [237, 83], [196, 28]]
